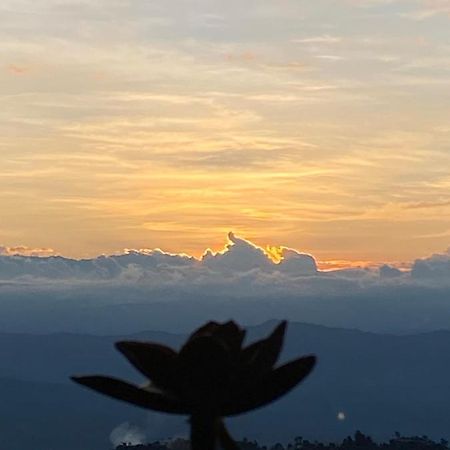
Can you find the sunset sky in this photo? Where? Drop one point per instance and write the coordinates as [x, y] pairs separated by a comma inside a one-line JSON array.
[[322, 125]]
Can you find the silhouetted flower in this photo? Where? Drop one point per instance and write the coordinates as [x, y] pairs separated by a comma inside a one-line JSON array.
[[211, 377]]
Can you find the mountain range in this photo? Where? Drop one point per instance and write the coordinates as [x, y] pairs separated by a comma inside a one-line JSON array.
[[378, 383]]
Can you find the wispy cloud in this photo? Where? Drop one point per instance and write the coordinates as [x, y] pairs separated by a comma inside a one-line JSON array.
[[16, 69], [429, 9], [323, 39], [276, 120], [23, 250]]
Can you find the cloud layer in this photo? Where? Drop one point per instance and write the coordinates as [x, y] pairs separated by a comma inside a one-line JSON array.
[[141, 289], [238, 256]]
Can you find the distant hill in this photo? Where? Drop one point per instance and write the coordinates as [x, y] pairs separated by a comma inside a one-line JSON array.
[[379, 383]]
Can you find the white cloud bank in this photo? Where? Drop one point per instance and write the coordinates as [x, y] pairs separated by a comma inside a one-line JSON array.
[[238, 256], [151, 289]]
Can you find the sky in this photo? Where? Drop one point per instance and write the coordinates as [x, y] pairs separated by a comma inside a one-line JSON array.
[[319, 125]]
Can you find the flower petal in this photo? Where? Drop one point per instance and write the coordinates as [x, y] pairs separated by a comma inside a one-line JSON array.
[[147, 397], [157, 362], [268, 388], [263, 354], [204, 369], [206, 329], [231, 334]]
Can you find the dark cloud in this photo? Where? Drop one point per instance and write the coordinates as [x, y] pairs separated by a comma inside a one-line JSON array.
[[234, 158]]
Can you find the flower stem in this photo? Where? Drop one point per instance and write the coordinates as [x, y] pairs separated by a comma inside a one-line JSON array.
[[226, 441], [203, 432]]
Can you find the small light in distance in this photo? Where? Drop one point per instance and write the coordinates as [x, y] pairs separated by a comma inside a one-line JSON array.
[[341, 415]]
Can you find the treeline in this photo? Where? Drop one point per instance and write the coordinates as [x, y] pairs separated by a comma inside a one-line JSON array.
[[358, 441]]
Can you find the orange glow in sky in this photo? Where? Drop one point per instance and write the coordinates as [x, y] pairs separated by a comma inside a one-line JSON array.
[[155, 124]]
